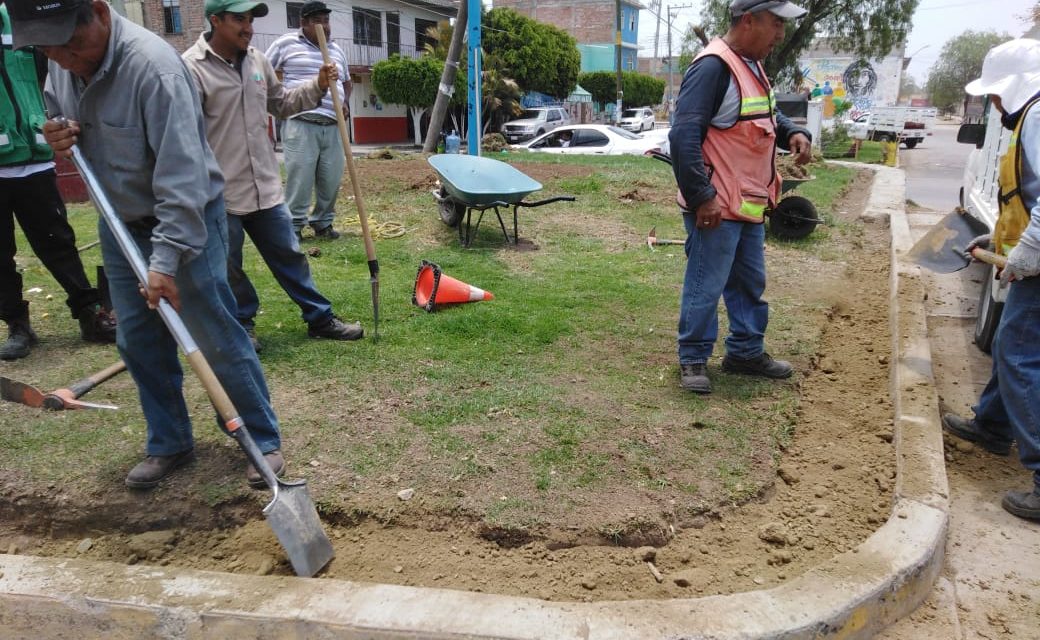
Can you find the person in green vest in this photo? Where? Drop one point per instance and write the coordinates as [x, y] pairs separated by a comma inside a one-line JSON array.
[[29, 192]]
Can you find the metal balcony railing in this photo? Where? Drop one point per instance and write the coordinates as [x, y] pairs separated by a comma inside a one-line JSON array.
[[359, 53]]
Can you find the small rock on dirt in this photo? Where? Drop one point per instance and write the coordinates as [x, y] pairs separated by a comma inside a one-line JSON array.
[[266, 566], [645, 554], [398, 569], [588, 583], [773, 533], [406, 494], [963, 445], [145, 544], [788, 475], [314, 252], [12, 549], [84, 545], [654, 572]]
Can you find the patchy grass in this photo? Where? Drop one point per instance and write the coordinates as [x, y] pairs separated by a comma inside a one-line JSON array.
[[554, 405]]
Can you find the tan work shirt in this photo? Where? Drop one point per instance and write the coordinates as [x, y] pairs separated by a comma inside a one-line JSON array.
[[235, 105]]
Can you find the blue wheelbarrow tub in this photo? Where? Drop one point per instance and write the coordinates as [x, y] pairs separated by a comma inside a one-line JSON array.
[[474, 181]]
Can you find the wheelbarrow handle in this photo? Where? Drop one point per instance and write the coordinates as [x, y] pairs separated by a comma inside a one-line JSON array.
[[538, 203]]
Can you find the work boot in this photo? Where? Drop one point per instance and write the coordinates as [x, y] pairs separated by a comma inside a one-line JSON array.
[[19, 338], [972, 431], [97, 325], [253, 340], [762, 365], [1023, 504], [277, 462], [152, 469], [336, 329], [694, 377], [328, 233]]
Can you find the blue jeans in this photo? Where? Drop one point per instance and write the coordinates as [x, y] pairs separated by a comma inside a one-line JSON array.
[[271, 231], [1009, 406], [314, 162], [207, 309], [727, 261]]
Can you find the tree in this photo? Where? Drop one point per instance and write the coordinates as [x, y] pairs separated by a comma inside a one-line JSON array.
[[639, 88], [959, 63], [539, 57], [408, 81], [908, 88], [864, 28]]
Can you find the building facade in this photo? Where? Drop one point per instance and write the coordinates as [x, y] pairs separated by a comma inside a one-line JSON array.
[[593, 24], [367, 31]]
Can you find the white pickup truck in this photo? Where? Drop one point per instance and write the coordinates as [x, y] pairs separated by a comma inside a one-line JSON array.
[[909, 125], [978, 196]]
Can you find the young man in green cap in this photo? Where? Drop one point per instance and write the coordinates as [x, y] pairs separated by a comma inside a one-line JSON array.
[[238, 88]]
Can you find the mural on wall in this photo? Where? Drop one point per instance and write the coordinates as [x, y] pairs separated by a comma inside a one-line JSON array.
[[840, 80]]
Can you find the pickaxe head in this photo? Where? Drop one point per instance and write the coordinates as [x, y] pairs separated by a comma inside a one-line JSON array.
[[65, 399], [14, 391], [651, 238]]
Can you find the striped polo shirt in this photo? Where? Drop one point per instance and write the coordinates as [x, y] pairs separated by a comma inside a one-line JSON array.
[[299, 60]]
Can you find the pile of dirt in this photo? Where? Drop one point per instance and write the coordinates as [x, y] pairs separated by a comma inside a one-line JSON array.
[[833, 483]]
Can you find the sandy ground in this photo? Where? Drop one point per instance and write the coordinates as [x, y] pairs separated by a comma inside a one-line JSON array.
[[832, 487]]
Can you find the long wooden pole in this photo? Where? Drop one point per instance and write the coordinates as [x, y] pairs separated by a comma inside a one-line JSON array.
[[370, 248]]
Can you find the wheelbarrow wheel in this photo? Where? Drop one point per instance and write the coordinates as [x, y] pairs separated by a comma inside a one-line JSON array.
[[450, 210], [793, 218]]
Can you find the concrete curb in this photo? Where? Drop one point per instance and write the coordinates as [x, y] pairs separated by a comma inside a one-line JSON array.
[[853, 595]]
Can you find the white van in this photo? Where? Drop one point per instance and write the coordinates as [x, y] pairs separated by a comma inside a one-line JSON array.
[[978, 196]]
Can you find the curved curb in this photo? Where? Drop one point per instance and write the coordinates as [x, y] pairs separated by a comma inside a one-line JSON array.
[[853, 595]]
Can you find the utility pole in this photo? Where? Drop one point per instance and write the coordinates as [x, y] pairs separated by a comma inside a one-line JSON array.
[[672, 11], [655, 9], [617, 47], [447, 87], [475, 68]]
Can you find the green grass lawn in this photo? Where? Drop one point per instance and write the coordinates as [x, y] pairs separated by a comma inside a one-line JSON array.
[[556, 398]]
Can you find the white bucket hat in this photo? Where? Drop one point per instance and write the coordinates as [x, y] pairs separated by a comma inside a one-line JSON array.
[[1011, 71]]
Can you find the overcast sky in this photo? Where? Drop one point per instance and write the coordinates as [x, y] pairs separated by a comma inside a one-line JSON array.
[[935, 22]]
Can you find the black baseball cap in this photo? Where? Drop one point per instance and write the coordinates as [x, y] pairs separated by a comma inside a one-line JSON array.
[[314, 7], [46, 23], [781, 8]]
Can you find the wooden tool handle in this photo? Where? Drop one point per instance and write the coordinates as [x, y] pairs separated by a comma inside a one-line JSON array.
[[80, 387], [989, 257]]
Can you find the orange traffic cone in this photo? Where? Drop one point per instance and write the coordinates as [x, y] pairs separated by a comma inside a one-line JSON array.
[[433, 288]]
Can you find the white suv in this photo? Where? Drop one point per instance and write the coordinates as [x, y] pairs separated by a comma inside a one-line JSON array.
[[535, 122], [637, 119]]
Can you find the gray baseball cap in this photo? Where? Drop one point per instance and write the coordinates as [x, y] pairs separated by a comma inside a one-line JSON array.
[[781, 8]]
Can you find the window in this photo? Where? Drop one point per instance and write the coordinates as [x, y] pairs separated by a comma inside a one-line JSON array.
[[171, 10], [368, 27], [589, 138], [422, 38], [292, 14], [631, 20]]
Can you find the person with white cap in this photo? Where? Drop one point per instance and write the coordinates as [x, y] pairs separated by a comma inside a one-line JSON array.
[[1009, 407], [723, 145], [132, 110]]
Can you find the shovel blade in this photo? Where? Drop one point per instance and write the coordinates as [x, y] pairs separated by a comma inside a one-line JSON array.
[[14, 391], [294, 520], [942, 249]]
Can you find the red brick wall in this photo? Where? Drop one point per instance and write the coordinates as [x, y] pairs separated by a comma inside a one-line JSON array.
[[586, 21], [193, 22]]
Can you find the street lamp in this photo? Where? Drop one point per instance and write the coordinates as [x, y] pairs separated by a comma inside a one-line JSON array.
[[907, 59]]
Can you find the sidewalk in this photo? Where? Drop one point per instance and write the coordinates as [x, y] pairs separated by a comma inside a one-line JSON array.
[[853, 595]]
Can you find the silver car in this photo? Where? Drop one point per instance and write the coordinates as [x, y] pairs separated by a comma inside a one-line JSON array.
[[641, 119], [534, 122]]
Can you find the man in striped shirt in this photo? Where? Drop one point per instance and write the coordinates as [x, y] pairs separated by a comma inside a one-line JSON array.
[[313, 152]]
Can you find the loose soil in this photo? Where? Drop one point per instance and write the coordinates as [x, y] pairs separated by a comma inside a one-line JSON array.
[[828, 491]]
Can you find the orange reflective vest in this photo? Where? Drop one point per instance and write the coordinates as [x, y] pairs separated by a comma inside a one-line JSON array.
[[739, 160], [1014, 214]]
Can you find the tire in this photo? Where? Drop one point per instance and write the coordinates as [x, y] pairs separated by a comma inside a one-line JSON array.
[[793, 218], [911, 142], [451, 212], [987, 316]]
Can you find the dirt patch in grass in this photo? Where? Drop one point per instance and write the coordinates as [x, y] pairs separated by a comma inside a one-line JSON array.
[[816, 480]]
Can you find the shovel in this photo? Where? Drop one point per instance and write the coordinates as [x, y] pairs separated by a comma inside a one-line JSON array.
[[60, 399], [291, 514], [942, 249]]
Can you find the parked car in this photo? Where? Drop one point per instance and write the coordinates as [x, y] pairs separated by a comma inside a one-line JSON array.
[[534, 122], [909, 125], [591, 139], [641, 119]]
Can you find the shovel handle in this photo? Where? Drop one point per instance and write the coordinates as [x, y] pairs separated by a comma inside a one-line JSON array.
[[81, 387], [989, 257]]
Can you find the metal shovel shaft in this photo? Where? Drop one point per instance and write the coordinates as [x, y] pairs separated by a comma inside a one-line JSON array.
[[296, 524]]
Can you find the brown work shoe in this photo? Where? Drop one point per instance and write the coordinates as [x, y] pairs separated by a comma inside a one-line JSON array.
[[277, 462], [97, 325], [152, 469]]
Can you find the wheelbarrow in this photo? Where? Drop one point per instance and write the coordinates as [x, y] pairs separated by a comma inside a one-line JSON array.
[[793, 218], [473, 183]]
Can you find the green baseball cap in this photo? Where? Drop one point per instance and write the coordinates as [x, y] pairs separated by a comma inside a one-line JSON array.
[[213, 7]]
